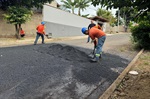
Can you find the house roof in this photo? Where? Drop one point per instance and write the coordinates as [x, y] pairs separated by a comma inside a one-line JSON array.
[[98, 18]]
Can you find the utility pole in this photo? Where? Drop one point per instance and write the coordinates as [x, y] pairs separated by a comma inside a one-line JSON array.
[[118, 19]]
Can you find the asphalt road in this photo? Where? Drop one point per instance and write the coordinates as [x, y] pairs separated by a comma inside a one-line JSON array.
[[61, 70]]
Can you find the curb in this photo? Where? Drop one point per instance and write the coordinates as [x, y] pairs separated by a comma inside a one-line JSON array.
[[113, 86], [29, 41]]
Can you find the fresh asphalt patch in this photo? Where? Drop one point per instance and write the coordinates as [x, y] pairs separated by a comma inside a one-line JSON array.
[[55, 71]]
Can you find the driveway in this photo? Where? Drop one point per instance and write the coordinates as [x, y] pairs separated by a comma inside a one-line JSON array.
[[61, 70]]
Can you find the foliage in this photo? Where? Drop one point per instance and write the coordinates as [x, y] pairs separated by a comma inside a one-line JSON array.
[[141, 34], [69, 4], [142, 6], [127, 14], [25, 3], [86, 16], [107, 15], [116, 22], [17, 15], [73, 4], [82, 5], [144, 18]]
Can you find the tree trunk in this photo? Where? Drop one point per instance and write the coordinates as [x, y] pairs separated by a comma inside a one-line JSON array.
[[72, 10], [79, 12], [17, 27]]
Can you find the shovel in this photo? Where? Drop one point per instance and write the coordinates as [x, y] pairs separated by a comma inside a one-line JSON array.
[[92, 54]]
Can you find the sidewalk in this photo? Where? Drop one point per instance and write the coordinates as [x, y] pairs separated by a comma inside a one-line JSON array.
[[7, 42]]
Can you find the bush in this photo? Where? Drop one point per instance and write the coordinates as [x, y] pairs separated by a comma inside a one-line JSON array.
[[141, 34]]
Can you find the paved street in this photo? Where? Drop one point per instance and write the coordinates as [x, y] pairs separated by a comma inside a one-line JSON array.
[[61, 69]]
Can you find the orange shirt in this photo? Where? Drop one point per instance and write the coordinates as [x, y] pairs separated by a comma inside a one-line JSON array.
[[22, 32], [96, 33], [40, 29]]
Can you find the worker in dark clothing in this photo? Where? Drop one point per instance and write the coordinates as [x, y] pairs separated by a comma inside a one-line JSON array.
[[92, 24]]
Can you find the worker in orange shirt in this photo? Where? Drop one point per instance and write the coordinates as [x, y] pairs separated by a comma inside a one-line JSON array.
[[92, 24], [22, 33], [93, 34], [40, 32]]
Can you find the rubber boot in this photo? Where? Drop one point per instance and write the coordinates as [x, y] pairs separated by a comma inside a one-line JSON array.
[[91, 55], [96, 59], [100, 55]]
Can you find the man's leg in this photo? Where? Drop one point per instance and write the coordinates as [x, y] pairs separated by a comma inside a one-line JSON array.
[[42, 36], [100, 45], [99, 48], [36, 39]]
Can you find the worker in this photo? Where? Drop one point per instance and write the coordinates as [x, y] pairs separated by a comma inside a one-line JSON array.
[[93, 34], [100, 26], [40, 32], [92, 24], [22, 33]]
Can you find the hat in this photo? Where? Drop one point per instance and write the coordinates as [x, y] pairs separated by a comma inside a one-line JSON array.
[[84, 29], [43, 22]]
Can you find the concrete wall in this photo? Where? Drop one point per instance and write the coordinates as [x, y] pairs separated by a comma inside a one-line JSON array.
[[114, 29], [63, 24], [5, 29], [60, 30]]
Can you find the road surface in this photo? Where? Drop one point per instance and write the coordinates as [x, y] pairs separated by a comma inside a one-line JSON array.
[[61, 70]]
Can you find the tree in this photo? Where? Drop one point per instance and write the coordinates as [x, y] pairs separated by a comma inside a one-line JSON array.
[[127, 14], [82, 5], [73, 4], [141, 34], [17, 16], [142, 6], [106, 14], [25, 3], [69, 4], [19, 11]]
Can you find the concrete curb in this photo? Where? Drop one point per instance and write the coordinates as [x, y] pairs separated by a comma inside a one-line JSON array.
[[113, 86]]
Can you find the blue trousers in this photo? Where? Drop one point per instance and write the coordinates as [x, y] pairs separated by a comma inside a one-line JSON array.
[[37, 37], [101, 41]]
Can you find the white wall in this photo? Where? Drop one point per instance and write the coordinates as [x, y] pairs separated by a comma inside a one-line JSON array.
[[54, 15], [56, 20]]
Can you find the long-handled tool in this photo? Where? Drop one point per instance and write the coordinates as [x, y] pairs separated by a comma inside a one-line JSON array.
[[92, 54]]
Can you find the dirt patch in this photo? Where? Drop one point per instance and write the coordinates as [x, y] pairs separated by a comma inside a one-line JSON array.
[[135, 86]]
